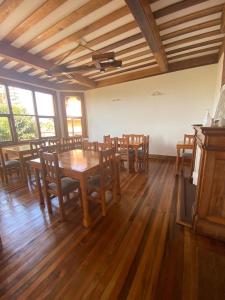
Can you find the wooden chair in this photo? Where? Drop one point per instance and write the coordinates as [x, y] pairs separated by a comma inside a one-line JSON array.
[[184, 152], [36, 145], [54, 184], [8, 167], [93, 146], [78, 140], [54, 141], [143, 154], [103, 146], [105, 181], [126, 154], [68, 143], [106, 138], [113, 142]]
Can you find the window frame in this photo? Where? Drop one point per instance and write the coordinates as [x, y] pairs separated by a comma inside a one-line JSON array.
[[11, 115], [83, 111]]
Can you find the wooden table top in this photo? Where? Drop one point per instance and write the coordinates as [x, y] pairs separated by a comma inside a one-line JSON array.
[[75, 160], [17, 148]]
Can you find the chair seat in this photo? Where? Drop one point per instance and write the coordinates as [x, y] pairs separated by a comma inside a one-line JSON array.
[[68, 184], [141, 153], [187, 155], [94, 182], [12, 163]]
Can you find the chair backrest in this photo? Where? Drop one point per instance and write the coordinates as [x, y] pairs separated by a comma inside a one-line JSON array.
[[36, 145], [69, 141], [113, 142], [78, 140], [138, 138], [189, 139], [90, 146], [2, 159], [107, 160], [50, 168], [106, 138], [54, 141], [103, 146], [123, 145], [51, 148]]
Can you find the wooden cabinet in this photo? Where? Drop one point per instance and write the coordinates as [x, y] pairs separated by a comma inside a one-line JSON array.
[[209, 212]]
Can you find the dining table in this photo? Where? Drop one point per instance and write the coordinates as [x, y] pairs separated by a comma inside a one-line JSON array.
[[77, 164]]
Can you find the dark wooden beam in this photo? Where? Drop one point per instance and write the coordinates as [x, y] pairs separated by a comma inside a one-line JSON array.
[[176, 7], [144, 17], [20, 77], [131, 76], [8, 6], [19, 55], [193, 62]]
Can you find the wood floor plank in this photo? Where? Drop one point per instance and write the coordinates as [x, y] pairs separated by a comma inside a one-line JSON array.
[[136, 252]]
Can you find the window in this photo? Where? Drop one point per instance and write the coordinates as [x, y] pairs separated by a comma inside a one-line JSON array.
[[74, 115], [5, 129], [30, 113]]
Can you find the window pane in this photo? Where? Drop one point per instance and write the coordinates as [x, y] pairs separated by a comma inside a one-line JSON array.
[[73, 107], [45, 106], [74, 126], [25, 127], [5, 133], [22, 101], [47, 127], [3, 100]]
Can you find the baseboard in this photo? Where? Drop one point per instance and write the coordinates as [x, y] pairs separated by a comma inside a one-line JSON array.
[[157, 156]]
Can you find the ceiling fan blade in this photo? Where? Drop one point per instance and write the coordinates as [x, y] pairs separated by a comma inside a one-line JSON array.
[[99, 57]]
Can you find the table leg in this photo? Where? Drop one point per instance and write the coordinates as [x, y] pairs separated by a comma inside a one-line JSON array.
[[38, 184], [118, 180], [85, 206], [177, 161], [23, 169]]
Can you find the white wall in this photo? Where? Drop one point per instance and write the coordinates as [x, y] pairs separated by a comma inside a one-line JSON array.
[[185, 97]]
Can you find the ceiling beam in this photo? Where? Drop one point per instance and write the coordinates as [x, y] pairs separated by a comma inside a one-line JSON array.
[[74, 37], [20, 77], [39, 14], [144, 17], [176, 7], [196, 15], [19, 55], [193, 62], [7, 7], [130, 76], [68, 20]]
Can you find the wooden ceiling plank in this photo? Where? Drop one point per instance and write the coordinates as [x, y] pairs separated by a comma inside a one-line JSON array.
[[19, 55], [193, 38], [222, 27], [87, 30], [202, 44], [190, 29], [7, 7], [193, 62], [104, 37], [144, 17], [75, 16], [176, 7], [194, 52], [40, 13], [130, 76], [191, 17], [110, 47], [20, 77]]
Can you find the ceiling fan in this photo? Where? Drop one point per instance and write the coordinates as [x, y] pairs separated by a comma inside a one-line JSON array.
[[100, 61]]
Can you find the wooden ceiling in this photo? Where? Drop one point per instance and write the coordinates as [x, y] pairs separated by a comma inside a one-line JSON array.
[[150, 36]]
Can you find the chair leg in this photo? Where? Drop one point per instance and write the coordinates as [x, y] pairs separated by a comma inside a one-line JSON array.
[[103, 203], [49, 203], [61, 208]]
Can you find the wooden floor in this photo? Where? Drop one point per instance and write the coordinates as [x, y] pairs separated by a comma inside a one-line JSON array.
[[136, 252]]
